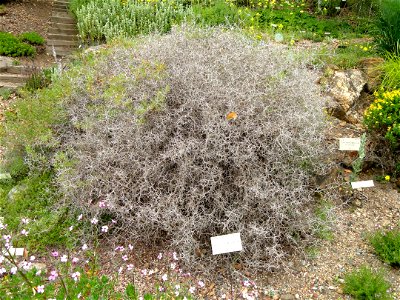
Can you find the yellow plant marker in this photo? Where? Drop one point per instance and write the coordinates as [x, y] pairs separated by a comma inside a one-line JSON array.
[[231, 116]]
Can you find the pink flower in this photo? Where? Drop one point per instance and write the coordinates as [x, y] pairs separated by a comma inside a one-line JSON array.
[[102, 204], [2, 271], [32, 258], [174, 256], [54, 254], [75, 276], [53, 275], [192, 289], [13, 270], [64, 258], [159, 256], [129, 267], [164, 277], [120, 270], [40, 289], [1, 259], [25, 220], [26, 265], [113, 221], [84, 247], [144, 272], [7, 238], [24, 232], [246, 283], [104, 228], [125, 257], [201, 284], [119, 248], [161, 289], [94, 221], [75, 260]]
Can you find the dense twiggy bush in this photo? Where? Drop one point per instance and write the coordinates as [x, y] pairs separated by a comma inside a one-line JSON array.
[[387, 246], [196, 134]]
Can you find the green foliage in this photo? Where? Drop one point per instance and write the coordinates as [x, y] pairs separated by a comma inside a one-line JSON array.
[[347, 55], [12, 46], [40, 79], [388, 33], [391, 72], [105, 20], [357, 164], [365, 284], [220, 13], [387, 246], [382, 115], [5, 93], [32, 38], [322, 211]]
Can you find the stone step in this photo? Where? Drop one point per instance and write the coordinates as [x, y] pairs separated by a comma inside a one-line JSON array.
[[13, 78], [19, 70], [63, 31], [60, 50], [68, 20], [62, 37], [62, 14], [61, 2], [60, 5], [10, 85], [63, 26], [58, 9], [62, 43]]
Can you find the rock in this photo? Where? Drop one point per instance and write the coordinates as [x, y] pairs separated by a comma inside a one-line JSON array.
[[345, 88], [15, 191], [372, 71], [288, 297], [5, 62]]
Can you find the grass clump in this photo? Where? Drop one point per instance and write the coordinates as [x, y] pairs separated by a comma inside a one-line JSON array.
[[391, 73], [32, 38], [148, 132], [365, 284], [387, 246], [388, 33], [10, 45]]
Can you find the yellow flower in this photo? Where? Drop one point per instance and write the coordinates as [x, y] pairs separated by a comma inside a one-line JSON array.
[[387, 177], [365, 49]]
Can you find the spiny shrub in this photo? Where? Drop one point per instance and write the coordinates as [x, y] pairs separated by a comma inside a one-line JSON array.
[[387, 246], [12, 46], [32, 38], [365, 284], [388, 34], [196, 134], [105, 20]]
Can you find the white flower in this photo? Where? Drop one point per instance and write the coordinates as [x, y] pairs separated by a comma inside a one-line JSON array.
[[80, 217], [174, 256], [75, 260], [94, 221], [24, 232], [25, 220], [84, 247], [177, 286], [192, 289], [76, 276], [13, 270], [159, 256], [173, 266], [129, 267], [2, 271], [32, 258], [130, 247], [201, 284], [40, 289], [104, 228], [164, 277], [71, 228], [1, 259], [64, 258]]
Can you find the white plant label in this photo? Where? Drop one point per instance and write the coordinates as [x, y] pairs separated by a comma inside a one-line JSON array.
[[226, 243], [349, 144], [5, 176], [15, 251], [362, 184]]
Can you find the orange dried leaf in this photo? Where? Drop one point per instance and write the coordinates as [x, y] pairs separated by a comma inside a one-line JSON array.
[[231, 116]]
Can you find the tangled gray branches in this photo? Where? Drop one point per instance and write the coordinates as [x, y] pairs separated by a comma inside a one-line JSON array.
[[150, 137]]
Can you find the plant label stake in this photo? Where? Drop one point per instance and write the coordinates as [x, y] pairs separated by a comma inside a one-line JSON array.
[[226, 243], [362, 184], [349, 144]]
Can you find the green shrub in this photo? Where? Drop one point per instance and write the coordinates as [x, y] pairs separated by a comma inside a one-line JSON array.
[[391, 72], [32, 38], [382, 116], [219, 13], [387, 246], [388, 33], [12, 46], [105, 20], [365, 284]]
